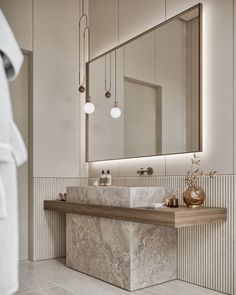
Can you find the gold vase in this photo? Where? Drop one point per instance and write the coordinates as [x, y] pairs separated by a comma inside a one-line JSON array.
[[193, 196]]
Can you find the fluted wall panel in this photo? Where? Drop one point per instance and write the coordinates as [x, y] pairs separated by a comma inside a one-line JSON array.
[[206, 252], [48, 228]]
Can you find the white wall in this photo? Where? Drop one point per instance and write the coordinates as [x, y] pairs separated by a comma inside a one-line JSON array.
[[217, 81], [56, 99], [50, 30], [20, 16]]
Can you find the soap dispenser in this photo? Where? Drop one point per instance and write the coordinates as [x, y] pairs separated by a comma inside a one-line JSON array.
[[108, 178], [102, 178]]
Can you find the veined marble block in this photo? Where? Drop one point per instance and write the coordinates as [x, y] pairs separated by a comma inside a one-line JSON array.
[[129, 255], [118, 196]]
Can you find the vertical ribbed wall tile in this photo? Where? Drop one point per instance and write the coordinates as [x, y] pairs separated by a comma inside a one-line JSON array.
[[48, 226], [206, 252]]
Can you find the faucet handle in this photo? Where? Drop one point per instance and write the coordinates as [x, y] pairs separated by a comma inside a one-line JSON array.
[[149, 171], [141, 171]]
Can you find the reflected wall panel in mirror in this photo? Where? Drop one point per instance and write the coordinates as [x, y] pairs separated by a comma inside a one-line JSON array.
[[155, 80]]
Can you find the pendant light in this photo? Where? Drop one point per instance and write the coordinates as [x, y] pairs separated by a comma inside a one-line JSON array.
[[84, 32], [115, 111], [108, 90], [89, 107]]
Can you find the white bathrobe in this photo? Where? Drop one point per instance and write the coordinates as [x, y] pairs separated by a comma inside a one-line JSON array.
[[12, 154]]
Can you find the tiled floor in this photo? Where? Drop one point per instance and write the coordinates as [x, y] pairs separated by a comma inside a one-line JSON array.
[[52, 277]]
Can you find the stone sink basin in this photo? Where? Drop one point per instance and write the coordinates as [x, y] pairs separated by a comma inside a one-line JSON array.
[[127, 254], [129, 197]]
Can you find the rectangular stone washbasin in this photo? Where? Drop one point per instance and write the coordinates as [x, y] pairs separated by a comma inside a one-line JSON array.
[[127, 254], [129, 197]]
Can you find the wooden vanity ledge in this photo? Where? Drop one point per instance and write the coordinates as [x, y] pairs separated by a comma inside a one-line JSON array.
[[173, 217]]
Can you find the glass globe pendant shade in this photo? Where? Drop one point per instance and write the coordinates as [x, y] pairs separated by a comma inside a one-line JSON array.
[[115, 111], [89, 107]]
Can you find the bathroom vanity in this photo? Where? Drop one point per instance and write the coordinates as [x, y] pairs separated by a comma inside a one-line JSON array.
[[111, 233]]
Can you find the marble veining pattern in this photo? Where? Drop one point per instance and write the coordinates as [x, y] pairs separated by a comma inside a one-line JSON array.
[[100, 248], [99, 195], [126, 254], [118, 196], [153, 255]]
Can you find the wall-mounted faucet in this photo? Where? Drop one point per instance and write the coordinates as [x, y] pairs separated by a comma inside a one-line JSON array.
[[141, 171]]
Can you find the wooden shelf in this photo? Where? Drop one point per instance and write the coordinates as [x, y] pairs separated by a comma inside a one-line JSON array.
[[173, 217]]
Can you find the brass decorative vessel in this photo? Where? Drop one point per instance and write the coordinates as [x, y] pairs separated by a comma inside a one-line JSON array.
[[193, 196]]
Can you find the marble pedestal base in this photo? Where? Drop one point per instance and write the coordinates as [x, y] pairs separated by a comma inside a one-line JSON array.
[[126, 254]]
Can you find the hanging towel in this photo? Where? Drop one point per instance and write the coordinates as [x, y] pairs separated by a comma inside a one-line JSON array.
[[5, 156], [3, 206], [17, 145], [12, 154], [17, 149], [11, 143], [10, 51]]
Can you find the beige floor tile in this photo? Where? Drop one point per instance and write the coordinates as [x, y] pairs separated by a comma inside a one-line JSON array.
[[54, 271], [93, 286], [50, 291], [51, 277], [29, 282], [30, 265], [179, 288]]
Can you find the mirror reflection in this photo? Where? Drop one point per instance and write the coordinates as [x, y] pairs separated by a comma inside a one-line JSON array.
[[147, 93]]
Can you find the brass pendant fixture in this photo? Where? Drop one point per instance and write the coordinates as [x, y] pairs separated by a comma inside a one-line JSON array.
[[108, 89], [83, 31]]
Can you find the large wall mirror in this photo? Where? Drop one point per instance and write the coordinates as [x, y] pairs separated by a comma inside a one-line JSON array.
[[155, 79]]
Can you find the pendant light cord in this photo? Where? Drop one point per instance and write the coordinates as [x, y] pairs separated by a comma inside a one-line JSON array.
[[83, 49], [87, 29], [165, 9], [82, 7], [80, 54], [115, 78], [109, 89], [118, 23], [155, 57]]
